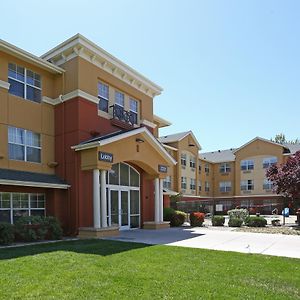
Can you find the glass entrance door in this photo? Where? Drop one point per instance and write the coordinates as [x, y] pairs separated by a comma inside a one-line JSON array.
[[124, 222], [114, 208]]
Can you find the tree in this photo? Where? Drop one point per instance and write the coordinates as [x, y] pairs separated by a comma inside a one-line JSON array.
[[286, 177], [281, 139]]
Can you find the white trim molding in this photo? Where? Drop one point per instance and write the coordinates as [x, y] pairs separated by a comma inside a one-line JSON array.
[[80, 46], [34, 184], [148, 123], [4, 84]]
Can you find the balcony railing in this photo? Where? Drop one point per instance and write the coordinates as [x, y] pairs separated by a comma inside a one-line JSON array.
[[119, 113]]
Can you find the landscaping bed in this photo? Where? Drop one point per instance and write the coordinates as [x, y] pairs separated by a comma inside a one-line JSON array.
[[295, 230]]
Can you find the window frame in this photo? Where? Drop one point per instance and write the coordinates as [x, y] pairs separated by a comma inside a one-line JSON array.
[[267, 162], [247, 186], [133, 112], [103, 98], [192, 184], [167, 182], [225, 168], [225, 186], [25, 83], [247, 165], [183, 182], [25, 145], [183, 158]]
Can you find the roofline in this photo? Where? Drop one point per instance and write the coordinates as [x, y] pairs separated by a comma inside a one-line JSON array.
[[34, 184], [187, 133], [261, 139], [126, 135], [80, 40], [24, 55], [161, 121]]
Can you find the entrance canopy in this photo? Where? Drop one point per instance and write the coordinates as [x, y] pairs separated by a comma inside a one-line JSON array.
[[137, 146]]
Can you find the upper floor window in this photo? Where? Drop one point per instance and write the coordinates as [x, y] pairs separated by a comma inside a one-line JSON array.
[[133, 110], [183, 159], [183, 183], [24, 83], [193, 184], [103, 95], [199, 185], [225, 168], [269, 161], [225, 186], [268, 185], [192, 162], [247, 185], [119, 99], [207, 185], [206, 169], [199, 168], [24, 145], [167, 182], [247, 165]]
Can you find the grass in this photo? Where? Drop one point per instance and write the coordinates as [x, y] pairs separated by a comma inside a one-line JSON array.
[[99, 269]]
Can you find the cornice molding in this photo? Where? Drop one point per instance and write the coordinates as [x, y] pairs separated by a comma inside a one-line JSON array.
[[33, 184], [4, 84], [148, 123], [79, 46]]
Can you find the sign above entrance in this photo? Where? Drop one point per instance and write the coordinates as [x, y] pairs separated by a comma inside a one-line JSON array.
[[162, 169], [104, 156]]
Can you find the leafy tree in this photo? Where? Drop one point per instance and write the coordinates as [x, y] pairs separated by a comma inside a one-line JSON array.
[[286, 177], [281, 139]]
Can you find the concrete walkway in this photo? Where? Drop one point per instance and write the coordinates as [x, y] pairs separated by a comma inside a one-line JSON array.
[[224, 239]]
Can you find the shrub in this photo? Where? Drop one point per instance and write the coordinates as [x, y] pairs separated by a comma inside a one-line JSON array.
[[7, 235], [238, 213], [168, 212], [256, 222], [275, 222], [178, 218], [34, 228], [218, 220], [197, 218], [235, 222]]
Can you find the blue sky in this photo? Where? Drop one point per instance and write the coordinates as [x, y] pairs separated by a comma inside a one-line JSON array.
[[230, 69]]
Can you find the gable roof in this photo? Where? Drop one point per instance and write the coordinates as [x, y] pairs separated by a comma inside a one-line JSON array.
[[119, 135], [292, 147], [218, 156], [261, 139], [177, 137]]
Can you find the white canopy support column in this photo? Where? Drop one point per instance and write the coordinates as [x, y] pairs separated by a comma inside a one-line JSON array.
[[103, 199], [156, 202], [161, 201], [96, 198]]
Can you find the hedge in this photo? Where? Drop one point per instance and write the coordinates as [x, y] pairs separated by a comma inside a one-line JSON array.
[[197, 219], [218, 221]]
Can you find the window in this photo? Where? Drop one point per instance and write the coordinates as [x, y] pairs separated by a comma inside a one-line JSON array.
[[199, 168], [133, 111], [15, 205], [103, 95], [183, 159], [206, 169], [24, 145], [192, 162], [247, 165], [119, 99], [247, 185], [183, 183], [199, 185], [268, 185], [269, 161], [24, 83], [225, 186], [193, 184], [206, 186], [167, 182], [225, 168]]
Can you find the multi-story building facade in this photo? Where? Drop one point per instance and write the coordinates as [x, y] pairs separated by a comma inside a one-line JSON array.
[[78, 140], [229, 178]]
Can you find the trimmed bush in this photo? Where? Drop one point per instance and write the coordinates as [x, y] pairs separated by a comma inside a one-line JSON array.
[[34, 228], [178, 218], [238, 213], [235, 222], [218, 220], [256, 222], [7, 235], [197, 219], [168, 212]]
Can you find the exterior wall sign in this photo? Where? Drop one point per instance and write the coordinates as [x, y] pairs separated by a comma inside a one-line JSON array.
[[104, 156], [162, 169]]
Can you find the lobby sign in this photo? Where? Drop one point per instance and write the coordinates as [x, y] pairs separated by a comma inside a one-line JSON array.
[[162, 169], [104, 156]]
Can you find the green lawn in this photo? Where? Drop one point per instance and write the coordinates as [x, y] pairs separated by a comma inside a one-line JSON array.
[[94, 269]]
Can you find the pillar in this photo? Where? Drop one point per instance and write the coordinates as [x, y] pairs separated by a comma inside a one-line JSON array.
[[156, 202], [96, 198], [103, 198], [161, 200]]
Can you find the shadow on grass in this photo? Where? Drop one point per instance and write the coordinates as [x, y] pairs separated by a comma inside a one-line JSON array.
[[93, 246]]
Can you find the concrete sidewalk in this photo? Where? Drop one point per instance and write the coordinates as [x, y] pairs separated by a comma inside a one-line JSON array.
[[224, 239]]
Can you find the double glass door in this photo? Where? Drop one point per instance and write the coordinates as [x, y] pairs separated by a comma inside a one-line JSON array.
[[119, 208]]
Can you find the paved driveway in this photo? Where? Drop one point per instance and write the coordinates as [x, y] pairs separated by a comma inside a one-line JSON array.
[[217, 239]]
